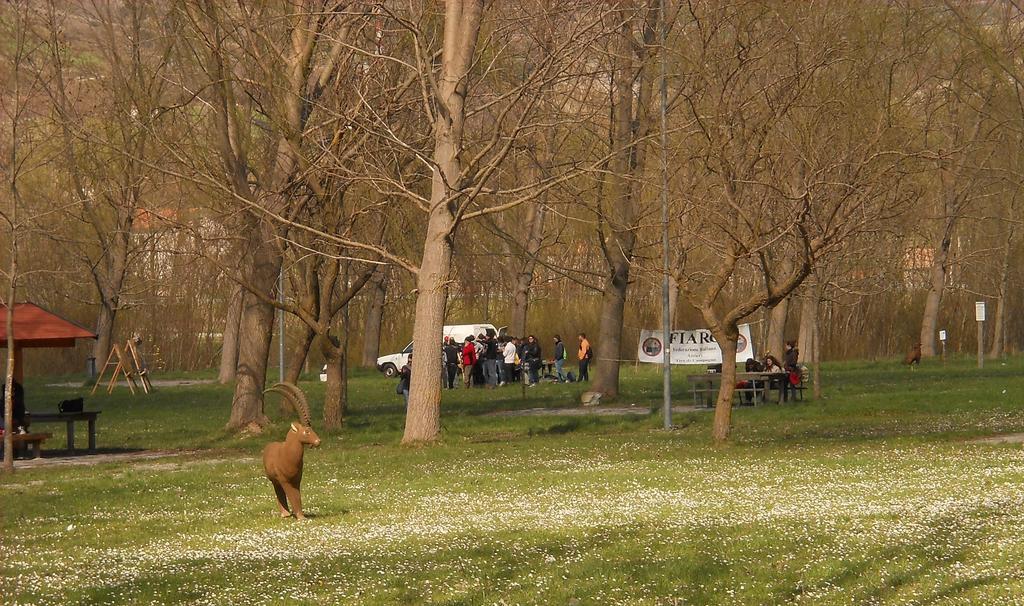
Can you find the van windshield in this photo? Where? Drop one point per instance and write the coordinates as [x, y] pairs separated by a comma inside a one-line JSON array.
[[408, 348]]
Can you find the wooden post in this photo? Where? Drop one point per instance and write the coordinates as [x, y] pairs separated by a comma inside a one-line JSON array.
[[979, 315], [981, 344]]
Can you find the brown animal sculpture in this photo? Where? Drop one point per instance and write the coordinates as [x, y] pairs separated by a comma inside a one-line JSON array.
[[282, 461], [913, 356]]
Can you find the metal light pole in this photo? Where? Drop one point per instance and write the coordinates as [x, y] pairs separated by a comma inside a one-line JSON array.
[[666, 320]]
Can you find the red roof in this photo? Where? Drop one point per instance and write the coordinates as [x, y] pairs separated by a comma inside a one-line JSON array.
[[36, 327]]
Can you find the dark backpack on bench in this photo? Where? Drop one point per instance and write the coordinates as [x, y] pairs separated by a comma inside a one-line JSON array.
[[74, 405]]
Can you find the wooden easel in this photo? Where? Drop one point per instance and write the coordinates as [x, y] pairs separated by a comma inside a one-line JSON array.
[[127, 362], [116, 361], [140, 368]]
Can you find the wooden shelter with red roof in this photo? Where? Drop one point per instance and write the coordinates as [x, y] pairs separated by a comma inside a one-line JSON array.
[[35, 327]]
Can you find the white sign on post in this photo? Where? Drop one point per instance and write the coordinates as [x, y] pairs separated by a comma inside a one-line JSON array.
[[691, 346], [979, 311], [942, 335]]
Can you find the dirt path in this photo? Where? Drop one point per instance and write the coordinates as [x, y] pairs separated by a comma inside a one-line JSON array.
[[96, 459], [1010, 438], [577, 412], [155, 382]]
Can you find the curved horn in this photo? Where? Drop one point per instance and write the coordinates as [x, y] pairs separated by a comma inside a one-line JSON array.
[[296, 398]]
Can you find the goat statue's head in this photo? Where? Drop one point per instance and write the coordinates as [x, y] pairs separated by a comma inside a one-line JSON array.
[[303, 429], [306, 434]]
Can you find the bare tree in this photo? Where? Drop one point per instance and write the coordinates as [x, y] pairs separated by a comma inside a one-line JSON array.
[[462, 172], [784, 187], [229, 337], [631, 123], [24, 154], [377, 297], [106, 144], [266, 70]]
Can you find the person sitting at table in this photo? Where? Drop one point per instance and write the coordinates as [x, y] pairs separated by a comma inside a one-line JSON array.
[[771, 365], [18, 417], [751, 365]]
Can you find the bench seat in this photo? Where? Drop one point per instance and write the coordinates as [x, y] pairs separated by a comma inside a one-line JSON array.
[[705, 397], [34, 442]]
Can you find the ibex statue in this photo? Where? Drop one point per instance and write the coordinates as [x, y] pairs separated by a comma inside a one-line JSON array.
[[282, 461]]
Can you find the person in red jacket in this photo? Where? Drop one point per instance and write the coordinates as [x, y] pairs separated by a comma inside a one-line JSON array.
[[468, 361]]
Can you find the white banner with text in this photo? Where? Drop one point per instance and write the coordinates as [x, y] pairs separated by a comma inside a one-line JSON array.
[[691, 346]]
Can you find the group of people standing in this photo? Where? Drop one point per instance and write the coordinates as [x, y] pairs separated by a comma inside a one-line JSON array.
[[492, 361]]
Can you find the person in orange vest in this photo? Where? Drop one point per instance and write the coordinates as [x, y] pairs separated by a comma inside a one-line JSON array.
[[585, 353]]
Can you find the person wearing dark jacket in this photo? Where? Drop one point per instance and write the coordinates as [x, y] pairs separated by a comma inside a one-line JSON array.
[[18, 410], [479, 379], [531, 359], [492, 358], [751, 365], [560, 356], [404, 379], [450, 351], [791, 364]]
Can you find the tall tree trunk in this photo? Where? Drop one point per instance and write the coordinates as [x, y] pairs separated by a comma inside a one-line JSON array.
[[334, 394], [722, 424], [521, 290], [999, 328], [816, 347], [609, 345], [625, 167], [955, 195], [104, 333], [535, 216], [423, 418], [11, 354], [374, 320], [777, 328], [297, 359], [255, 329], [779, 314], [229, 347], [808, 319], [930, 317], [109, 280], [461, 28]]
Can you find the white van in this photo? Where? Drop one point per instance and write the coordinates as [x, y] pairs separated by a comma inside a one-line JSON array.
[[390, 364]]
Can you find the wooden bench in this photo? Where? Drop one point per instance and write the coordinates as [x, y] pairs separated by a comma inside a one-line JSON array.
[[69, 418], [703, 396], [34, 442], [757, 394], [758, 385]]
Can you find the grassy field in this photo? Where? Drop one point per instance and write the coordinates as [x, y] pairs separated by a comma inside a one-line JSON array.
[[873, 495]]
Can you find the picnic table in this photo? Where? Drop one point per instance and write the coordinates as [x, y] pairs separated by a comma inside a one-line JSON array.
[[759, 384], [69, 418]]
